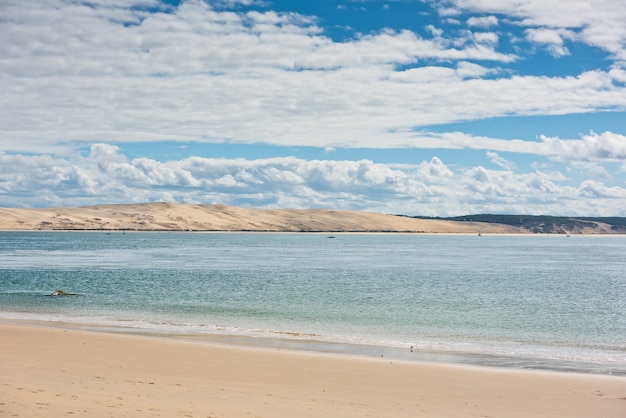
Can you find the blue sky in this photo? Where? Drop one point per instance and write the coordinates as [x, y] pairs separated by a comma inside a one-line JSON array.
[[414, 107]]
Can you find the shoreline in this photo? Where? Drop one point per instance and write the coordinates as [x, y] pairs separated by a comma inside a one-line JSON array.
[[325, 234], [53, 371], [314, 344]]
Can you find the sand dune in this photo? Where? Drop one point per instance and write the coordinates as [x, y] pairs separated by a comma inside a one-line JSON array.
[[181, 217], [184, 217]]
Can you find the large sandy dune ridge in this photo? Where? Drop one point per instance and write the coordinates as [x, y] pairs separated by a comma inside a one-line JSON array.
[[190, 217]]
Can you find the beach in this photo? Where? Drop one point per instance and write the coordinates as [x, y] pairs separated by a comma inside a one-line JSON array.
[[53, 372], [186, 324]]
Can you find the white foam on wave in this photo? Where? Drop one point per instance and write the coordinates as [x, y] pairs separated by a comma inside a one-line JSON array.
[[484, 352]]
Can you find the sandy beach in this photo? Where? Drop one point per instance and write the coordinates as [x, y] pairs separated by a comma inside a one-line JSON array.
[[57, 372]]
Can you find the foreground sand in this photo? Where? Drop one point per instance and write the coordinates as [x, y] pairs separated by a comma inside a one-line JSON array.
[[48, 372]]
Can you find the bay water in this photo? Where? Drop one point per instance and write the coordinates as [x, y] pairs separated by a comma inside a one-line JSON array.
[[536, 301]]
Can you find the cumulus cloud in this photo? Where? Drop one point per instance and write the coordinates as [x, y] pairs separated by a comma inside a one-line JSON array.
[[500, 161], [607, 146], [426, 188], [597, 190], [488, 38], [469, 69], [552, 40]]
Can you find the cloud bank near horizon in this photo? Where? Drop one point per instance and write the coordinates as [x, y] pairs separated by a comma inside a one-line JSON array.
[[429, 188]]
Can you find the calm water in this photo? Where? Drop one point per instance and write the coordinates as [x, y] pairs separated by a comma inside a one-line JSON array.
[[525, 301]]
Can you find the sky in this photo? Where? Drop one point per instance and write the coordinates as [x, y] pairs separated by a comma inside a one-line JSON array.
[[412, 107]]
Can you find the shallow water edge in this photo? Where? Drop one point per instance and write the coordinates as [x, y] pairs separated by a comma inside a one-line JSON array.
[[311, 345]]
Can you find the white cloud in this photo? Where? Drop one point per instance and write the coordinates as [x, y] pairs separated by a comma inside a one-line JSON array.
[[483, 21], [500, 161], [468, 69], [426, 188], [600, 22], [434, 170], [593, 147], [200, 74], [553, 40], [436, 32], [487, 38], [593, 170], [597, 190], [344, 108], [607, 146], [206, 75]]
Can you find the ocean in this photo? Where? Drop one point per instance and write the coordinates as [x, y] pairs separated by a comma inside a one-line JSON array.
[[534, 302]]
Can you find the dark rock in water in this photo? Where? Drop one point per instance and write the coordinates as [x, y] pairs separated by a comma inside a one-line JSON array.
[[59, 292]]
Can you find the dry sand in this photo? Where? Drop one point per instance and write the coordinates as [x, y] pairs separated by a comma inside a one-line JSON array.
[[179, 217], [54, 372], [171, 216]]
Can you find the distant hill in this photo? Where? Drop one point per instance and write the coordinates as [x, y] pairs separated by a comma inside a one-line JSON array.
[[544, 224], [188, 217]]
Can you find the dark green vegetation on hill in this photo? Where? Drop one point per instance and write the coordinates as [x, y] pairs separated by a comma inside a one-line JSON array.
[[541, 224]]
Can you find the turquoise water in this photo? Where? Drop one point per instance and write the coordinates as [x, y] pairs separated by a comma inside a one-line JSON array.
[[551, 302]]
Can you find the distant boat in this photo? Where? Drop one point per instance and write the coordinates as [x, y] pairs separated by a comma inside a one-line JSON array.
[[330, 236], [480, 235]]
